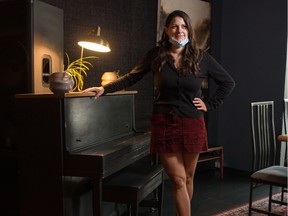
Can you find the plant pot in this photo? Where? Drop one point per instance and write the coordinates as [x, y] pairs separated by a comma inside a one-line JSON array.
[[60, 82]]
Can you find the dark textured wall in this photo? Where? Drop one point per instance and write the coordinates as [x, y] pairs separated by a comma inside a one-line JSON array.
[[249, 38], [129, 26]]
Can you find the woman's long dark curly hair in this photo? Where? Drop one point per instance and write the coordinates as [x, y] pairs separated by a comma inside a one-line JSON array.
[[191, 55]]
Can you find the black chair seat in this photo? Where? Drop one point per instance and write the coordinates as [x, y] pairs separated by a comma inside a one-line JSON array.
[[274, 174]]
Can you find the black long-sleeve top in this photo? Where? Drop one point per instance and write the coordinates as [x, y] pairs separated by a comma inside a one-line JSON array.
[[174, 92]]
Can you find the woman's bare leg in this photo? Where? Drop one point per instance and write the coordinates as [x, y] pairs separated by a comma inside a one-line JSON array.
[[174, 166], [190, 164], [181, 169]]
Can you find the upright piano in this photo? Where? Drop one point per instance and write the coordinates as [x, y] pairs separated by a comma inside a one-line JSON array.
[[73, 134]]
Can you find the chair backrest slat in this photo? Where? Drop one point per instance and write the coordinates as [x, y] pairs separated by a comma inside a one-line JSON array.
[[263, 134]]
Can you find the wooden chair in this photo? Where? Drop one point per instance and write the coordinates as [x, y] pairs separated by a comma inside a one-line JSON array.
[[214, 153], [133, 184], [264, 170]]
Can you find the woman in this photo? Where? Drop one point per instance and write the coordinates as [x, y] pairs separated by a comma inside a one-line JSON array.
[[178, 132]]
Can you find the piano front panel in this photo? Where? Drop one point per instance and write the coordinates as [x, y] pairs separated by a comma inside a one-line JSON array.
[[100, 135], [90, 122]]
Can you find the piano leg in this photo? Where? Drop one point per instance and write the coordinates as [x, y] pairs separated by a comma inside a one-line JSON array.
[[97, 196]]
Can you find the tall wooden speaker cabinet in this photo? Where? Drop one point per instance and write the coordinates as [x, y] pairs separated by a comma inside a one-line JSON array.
[[31, 47], [31, 44]]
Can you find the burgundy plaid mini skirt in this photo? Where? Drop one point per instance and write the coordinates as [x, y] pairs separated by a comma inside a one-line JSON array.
[[170, 133]]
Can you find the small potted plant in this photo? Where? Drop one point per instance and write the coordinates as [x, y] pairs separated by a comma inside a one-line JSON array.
[[78, 69], [72, 78]]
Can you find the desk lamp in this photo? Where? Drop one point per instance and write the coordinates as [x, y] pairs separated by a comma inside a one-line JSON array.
[[93, 41]]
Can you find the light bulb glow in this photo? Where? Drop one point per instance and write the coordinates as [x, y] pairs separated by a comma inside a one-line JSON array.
[[94, 46]]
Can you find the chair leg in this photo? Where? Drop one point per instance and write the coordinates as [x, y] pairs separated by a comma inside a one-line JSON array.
[[222, 164], [270, 197], [282, 194], [250, 198]]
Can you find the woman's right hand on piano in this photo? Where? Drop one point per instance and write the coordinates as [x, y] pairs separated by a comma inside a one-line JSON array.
[[97, 90]]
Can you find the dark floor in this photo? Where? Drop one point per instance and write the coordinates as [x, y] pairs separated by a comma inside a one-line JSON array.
[[213, 195]]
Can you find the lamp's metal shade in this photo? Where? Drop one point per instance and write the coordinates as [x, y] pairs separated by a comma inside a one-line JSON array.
[[93, 41]]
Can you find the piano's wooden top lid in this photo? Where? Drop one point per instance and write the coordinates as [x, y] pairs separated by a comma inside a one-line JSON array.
[[70, 94]]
